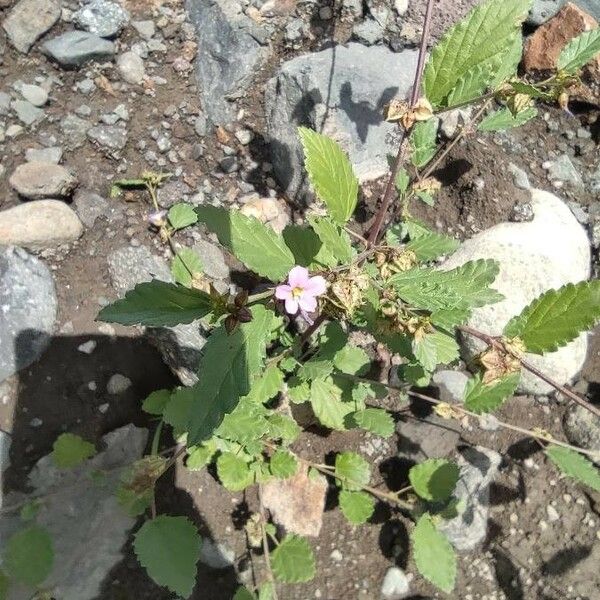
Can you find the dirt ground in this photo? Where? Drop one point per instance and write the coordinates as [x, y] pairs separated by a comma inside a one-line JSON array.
[[526, 555]]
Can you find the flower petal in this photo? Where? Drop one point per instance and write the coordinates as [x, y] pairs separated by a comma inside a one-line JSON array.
[[283, 291], [316, 286], [291, 306], [308, 303], [298, 277]]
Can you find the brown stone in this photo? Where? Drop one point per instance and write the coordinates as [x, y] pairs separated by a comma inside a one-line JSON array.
[[545, 45]]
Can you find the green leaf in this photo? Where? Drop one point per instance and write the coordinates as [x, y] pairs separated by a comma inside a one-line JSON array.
[[448, 318], [330, 173], [29, 512], [435, 479], [156, 402], [557, 317], [352, 360], [267, 386], [483, 398], [169, 548], [234, 472], [432, 245], [315, 368], [70, 450], [284, 428], [283, 464], [4, 586], [28, 555], [509, 64], [472, 84], [244, 424], [258, 246], [327, 404], [402, 181], [182, 215], [357, 507], [177, 411], [298, 391], [575, 465], [308, 249], [200, 456], [353, 470], [186, 266], [293, 560], [433, 554], [136, 489], [466, 286], [473, 51], [422, 140], [435, 348], [504, 119], [266, 591], [579, 51], [244, 594], [158, 304], [375, 420], [229, 364], [335, 240]]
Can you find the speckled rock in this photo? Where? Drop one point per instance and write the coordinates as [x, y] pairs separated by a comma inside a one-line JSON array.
[[37, 180], [29, 20]]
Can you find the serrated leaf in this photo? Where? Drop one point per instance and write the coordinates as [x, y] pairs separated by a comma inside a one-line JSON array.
[[327, 404], [293, 560], [186, 266], [466, 286], [308, 248], [483, 398], [70, 450], [557, 317], [158, 304], [258, 246], [298, 390], [448, 318], [401, 182], [244, 424], [229, 365], [283, 464], [28, 555], [375, 420], [182, 215], [315, 368], [575, 465], [435, 479], [432, 245], [357, 507], [199, 456], [415, 374], [267, 386], [177, 411], [353, 470], [434, 556], [136, 489], [330, 173], [435, 348], [509, 63], [579, 51], [155, 403], [472, 84], [169, 548], [503, 119], [335, 240], [422, 141], [234, 472], [483, 40], [284, 428], [352, 360]]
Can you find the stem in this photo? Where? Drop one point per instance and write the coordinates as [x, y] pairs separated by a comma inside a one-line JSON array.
[[389, 188], [265, 542], [493, 341]]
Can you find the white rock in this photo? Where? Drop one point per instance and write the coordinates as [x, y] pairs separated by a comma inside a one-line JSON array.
[[146, 29], [118, 384], [35, 94], [451, 385], [548, 252], [401, 6], [37, 180], [39, 224], [131, 68], [396, 584]]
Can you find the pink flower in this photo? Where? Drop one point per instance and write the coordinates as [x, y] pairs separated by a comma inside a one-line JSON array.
[[301, 291]]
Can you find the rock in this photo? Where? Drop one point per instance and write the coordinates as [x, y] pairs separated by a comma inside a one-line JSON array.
[[229, 54], [35, 180], [87, 526], [278, 8], [110, 138], [401, 6], [453, 119], [478, 468], [582, 428], [28, 301], [548, 252], [545, 45], [213, 260], [26, 112], [269, 211], [45, 155], [29, 20], [396, 584], [118, 384], [297, 503], [90, 206], [180, 346], [520, 178], [297, 95], [172, 192], [34, 94], [39, 224], [451, 385], [146, 29], [563, 169], [369, 32], [216, 555], [74, 48], [102, 18], [74, 130], [131, 68], [545, 9]]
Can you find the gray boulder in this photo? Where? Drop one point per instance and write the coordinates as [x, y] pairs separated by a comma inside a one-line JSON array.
[[75, 48], [28, 309], [547, 252], [29, 20], [181, 345], [231, 49], [337, 92], [87, 526]]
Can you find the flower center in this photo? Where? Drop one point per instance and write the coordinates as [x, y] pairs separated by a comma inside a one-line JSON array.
[[297, 292]]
